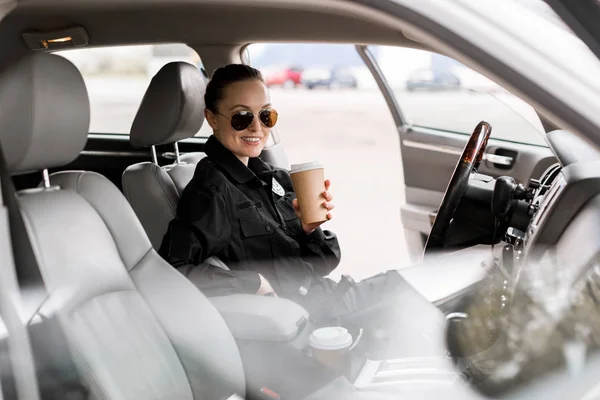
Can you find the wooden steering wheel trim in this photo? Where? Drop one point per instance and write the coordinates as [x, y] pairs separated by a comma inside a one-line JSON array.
[[459, 183]]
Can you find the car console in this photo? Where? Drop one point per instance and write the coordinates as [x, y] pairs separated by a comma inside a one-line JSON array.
[[272, 336], [541, 206]]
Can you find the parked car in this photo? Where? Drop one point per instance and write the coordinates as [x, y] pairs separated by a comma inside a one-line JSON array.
[[430, 79], [287, 77], [330, 78]]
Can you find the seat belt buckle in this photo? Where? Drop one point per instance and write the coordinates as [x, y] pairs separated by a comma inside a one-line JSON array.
[[346, 282]]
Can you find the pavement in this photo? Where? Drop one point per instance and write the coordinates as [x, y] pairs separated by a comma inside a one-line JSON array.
[[353, 134]]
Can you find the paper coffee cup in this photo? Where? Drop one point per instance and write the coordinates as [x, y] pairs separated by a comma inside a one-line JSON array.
[[309, 184], [331, 346]]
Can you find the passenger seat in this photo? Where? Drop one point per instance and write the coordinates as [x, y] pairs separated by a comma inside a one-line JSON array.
[[172, 109], [138, 328]]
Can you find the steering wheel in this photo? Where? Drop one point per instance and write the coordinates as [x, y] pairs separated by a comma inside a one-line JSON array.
[[467, 164]]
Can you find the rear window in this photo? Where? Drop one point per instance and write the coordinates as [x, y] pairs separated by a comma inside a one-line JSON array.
[[117, 78]]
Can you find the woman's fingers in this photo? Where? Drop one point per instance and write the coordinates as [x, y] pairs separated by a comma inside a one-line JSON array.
[[296, 209], [327, 184], [327, 204]]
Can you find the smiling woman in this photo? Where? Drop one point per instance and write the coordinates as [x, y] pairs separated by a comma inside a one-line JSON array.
[[238, 109]]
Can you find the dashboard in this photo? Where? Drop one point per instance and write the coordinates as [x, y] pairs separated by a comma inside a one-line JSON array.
[[562, 225], [522, 317], [566, 190], [552, 184]]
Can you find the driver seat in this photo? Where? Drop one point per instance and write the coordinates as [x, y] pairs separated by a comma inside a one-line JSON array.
[[137, 327], [172, 109]]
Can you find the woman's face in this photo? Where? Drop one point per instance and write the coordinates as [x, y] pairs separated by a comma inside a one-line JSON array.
[[250, 95]]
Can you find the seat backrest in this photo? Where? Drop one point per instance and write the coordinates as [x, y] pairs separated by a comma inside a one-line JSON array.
[[154, 193], [172, 109], [137, 327]]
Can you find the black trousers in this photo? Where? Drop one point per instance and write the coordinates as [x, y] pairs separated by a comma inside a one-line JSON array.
[[370, 301]]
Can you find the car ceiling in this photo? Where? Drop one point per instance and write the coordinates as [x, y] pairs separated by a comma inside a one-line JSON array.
[[199, 23], [214, 28]]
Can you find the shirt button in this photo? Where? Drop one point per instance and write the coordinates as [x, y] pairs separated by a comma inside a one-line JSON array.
[[268, 228]]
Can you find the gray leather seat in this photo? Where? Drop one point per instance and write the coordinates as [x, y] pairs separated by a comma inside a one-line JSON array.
[[138, 328], [172, 109]]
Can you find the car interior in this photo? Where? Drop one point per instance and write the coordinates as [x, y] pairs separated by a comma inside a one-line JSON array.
[[107, 317]]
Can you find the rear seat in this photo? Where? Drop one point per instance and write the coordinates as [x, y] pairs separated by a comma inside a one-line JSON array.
[[176, 94]]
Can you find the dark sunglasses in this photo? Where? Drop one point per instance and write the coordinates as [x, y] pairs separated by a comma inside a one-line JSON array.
[[241, 120]]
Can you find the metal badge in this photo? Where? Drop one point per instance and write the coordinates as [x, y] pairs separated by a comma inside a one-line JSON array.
[[277, 188]]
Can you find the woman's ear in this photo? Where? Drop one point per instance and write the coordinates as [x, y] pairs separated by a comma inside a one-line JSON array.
[[211, 118]]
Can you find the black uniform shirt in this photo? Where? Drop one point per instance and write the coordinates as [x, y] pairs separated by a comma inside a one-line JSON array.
[[244, 216]]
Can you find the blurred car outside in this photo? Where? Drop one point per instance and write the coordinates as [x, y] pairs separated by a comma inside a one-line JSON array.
[[474, 81], [287, 77], [432, 80], [330, 78]]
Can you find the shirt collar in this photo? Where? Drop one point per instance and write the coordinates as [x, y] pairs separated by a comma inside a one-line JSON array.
[[232, 165]]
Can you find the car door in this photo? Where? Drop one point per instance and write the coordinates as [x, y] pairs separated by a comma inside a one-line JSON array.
[[435, 121]]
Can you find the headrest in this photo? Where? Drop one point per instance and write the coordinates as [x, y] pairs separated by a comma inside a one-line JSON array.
[[172, 108], [44, 113]]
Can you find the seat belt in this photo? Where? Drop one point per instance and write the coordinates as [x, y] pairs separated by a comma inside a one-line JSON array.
[[56, 373], [27, 269]]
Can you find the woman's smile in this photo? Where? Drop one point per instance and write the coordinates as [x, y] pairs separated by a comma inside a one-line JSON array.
[[252, 140]]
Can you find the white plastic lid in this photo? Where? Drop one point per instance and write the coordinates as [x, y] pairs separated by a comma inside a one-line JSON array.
[[305, 167], [330, 338]]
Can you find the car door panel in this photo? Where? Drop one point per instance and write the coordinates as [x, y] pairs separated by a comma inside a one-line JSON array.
[[429, 158]]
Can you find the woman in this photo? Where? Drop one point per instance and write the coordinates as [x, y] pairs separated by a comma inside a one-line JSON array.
[[244, 211]]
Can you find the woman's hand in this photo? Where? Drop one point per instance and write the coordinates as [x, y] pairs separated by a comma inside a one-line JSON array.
[[310, 228], [265, 288]]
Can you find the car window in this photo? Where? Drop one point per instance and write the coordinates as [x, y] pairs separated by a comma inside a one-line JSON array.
[[344, 122], [117, 78], [437, 92], [421, 75]]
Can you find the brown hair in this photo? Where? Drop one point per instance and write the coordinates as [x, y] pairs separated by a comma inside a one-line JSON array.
[[225, 76]]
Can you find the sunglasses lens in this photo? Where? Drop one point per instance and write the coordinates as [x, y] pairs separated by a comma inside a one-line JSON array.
[[241, 120], [268, 118]]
